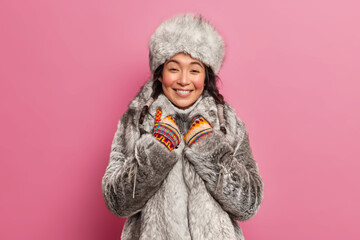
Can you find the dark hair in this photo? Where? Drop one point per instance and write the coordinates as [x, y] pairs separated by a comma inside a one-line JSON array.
[[210, 85]]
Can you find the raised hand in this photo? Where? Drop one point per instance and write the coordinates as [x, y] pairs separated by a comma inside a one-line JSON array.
[[166, 131], [198, 130]]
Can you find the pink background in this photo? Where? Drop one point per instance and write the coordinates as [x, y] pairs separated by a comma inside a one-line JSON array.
[[68, 69]]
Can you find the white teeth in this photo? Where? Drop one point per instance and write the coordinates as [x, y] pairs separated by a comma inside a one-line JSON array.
[[183, 92]]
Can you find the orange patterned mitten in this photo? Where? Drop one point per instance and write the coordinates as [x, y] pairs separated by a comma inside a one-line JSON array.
[[166, 131], [199, 129]]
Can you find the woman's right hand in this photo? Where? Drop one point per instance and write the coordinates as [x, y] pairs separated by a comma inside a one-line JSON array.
[[166, 131], [137, 166]]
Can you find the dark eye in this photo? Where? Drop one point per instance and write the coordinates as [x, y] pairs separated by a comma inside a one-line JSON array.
[[173, 69], [195, 71]]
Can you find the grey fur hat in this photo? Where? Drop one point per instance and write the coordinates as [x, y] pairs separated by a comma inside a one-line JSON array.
[[188, 33]]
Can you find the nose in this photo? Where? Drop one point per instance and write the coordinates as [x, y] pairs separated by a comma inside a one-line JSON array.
[[184, 79]]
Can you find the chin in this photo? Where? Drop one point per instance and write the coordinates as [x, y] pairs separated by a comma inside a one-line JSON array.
[[182, 103]]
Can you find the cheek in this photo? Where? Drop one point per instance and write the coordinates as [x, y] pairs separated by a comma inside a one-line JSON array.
[[199, 83], [168, 80]]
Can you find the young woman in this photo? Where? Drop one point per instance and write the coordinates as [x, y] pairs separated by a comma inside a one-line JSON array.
[[181, 166]]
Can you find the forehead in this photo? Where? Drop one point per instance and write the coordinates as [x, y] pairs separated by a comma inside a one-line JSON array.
[[183, 58]]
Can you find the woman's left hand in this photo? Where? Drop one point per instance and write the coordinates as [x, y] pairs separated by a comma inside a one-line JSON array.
[[198, 130]]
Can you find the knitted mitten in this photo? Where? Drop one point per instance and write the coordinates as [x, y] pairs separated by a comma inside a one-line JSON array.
[[166, 131], [199, 129]]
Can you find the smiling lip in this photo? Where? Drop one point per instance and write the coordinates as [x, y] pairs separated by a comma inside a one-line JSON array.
[[182, 94]]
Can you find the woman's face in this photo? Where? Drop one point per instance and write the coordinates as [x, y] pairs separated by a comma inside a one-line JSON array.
[[183, 80]]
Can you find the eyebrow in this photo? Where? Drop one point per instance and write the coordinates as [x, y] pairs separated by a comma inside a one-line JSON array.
[[172, 60]]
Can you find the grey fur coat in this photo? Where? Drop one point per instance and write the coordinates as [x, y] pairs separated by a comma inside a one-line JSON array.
[[188, 193]]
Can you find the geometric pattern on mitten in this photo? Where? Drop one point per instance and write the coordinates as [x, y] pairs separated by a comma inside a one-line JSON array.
[[198, 130], [166, 131]]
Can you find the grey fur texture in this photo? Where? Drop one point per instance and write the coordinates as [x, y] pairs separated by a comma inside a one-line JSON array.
[[188, 193], [188, 33]]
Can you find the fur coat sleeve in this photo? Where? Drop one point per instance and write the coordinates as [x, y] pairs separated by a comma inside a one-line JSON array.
[[228, 168], [141, 162]]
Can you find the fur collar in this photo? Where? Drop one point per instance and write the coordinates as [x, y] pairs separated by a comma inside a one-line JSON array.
[[204, 106]]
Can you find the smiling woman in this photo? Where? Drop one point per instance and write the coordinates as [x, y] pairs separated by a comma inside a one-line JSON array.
[[183, 80], [181, 166]]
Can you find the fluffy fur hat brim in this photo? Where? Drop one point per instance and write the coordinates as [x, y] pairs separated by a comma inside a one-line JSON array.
[[190, 34]]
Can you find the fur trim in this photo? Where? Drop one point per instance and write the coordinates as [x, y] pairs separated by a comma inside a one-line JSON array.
[[190, 34]]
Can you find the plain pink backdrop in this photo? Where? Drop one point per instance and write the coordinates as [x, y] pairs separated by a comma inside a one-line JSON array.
[[68, 70]]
